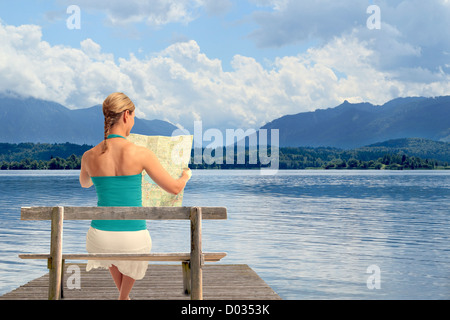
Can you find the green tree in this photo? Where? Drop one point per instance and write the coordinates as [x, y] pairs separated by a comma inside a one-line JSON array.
[[4, 165], [352, 163]]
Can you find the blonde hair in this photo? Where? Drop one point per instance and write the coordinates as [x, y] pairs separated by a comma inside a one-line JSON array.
[[113, 107]]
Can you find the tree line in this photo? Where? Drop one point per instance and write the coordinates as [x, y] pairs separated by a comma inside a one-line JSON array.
[[332, 158], [73, 162], [289, 158]]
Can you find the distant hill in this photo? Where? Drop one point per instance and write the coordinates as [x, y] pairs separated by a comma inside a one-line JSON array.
[[397, 154], [400, 154], [351, 126], [40, 151], [417, 147], [347, 126], [34, 120]]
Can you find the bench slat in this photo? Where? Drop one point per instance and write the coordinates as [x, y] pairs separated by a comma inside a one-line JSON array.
[[123, 213], [180, 256]]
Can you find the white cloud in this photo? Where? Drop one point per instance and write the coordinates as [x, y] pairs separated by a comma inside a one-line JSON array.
[[30, 66], [181, 84], [293, 21], [152, 12], [413, 36], [216, 7]]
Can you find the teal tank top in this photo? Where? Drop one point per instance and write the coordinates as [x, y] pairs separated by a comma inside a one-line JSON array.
[[119, 191]]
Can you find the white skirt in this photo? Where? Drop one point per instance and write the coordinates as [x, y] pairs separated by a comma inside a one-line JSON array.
[[99, 241]]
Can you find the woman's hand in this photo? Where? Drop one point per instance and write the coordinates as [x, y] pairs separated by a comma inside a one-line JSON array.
[[187, 173]]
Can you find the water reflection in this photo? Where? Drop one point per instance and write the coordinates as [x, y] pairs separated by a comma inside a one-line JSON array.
[[309, 234]]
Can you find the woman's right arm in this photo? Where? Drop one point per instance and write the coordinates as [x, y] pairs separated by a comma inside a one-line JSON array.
[[159, 175]]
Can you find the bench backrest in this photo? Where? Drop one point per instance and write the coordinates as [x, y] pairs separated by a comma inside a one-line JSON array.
[[123, 213]]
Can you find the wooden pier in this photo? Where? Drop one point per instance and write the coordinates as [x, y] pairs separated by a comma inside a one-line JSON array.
[[162, 282]]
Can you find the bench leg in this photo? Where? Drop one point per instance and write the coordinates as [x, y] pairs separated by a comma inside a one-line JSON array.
[[185, 265], [196, 254], [55, 263], [62, 278]]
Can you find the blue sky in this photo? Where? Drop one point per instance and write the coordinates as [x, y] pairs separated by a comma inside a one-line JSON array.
[[220, 34], [232, 64]]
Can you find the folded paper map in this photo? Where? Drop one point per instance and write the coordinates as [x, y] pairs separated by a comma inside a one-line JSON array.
[[174, 154]]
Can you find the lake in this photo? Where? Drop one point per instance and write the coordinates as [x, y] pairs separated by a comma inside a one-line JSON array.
[[310, 234]]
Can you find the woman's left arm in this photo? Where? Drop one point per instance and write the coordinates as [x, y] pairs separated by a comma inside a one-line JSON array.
[[85, 179]]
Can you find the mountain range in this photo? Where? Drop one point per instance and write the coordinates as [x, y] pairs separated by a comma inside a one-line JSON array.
[[347, 126], [34, 120], [351, 125]]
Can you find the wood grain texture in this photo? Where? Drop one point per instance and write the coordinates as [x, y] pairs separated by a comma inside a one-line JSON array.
[[161, 282], [123, 213]]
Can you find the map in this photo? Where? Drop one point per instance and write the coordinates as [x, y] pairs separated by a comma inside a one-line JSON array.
[[174, 154]]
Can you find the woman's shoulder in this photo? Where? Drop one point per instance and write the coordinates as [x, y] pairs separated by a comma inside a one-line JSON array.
[[131, 148], [93, 150]]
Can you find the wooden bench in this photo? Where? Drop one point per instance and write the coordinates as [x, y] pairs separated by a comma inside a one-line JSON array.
[[192, 262]]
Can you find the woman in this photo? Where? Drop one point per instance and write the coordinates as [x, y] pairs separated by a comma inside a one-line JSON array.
[[114, 166]]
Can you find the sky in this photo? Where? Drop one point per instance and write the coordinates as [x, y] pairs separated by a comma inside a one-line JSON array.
[[232, 64]]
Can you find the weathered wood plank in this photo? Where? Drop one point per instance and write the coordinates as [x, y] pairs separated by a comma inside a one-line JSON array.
[[176, 256], [186, 277], [196, 254], [56, 253], [162, 282], [127, 213]]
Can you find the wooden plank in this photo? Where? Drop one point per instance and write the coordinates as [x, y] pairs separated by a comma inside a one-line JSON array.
[[55, 263], [127, 213], [161, 282], [196, 254], [186, 277], [176, 256]]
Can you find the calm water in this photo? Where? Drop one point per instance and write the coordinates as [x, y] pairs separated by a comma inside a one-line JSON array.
[[308, 234]]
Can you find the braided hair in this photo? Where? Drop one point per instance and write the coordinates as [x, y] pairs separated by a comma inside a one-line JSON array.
[[113, 107]]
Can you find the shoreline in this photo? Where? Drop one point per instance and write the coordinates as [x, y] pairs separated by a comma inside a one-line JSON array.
[[441, 169], [386, 168]]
